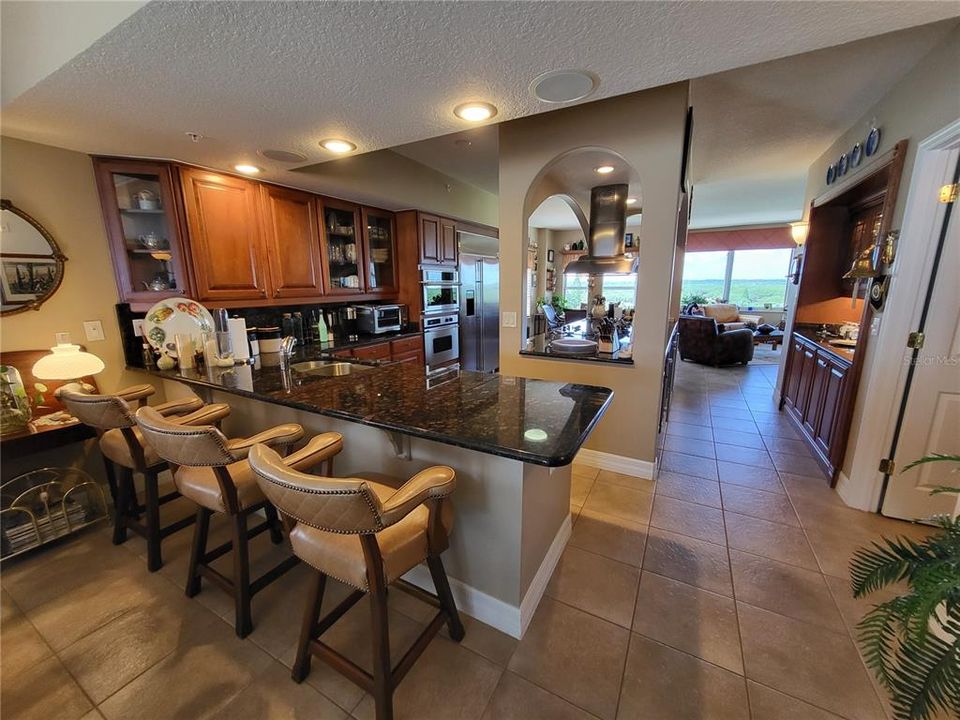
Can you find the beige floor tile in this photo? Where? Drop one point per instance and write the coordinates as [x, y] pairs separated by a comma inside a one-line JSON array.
[[689, 417], [695, 432], [596, 585], [785, 589], [807, 662], [745, 456], [446, 682], [728, 400], [517, 699], [743, 425], [610, 536], [44, 691], [689, 446], [834, 544], [274, 695], [721, 413], [485, 640], [580, 486], [689, 465], [768, 704], [786, 446], [661, 683], [93, 715], [114, 654], [689, 488], [774, 507], [630, 481], [618, 501], [796, 464], [574, 655], [773, 540], [21, 646], [747, 476], [584, 471], [204, 673], [724, 436], [698, 521], [688, 560], [696, 621]]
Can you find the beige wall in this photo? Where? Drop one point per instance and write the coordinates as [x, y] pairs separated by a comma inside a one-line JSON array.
[[57, 188], [646, 129], [924, 101]]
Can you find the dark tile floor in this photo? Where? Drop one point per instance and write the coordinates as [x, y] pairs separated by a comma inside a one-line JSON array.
[[718, 592]]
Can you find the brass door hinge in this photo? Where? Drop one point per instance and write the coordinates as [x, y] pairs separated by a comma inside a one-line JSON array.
[[948, 193], [887, 466], [915, 340]]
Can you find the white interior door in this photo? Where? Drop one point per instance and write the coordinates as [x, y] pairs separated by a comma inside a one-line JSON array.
[[931, 422]]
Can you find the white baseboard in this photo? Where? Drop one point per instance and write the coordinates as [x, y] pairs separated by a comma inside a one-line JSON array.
[[853, 495], [617, 463], [538, 586], [505, 617]]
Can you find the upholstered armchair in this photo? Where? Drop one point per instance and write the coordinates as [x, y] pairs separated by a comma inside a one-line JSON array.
[[702, 341], [728, 317]]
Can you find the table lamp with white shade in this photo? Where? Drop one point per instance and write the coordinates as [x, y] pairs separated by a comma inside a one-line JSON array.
[[67, 362]]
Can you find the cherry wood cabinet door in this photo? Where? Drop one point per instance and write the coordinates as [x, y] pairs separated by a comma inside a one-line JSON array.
[[430, 234], [805, 369], [833, 392], [292, 237], [449, 251], [342, 247], [791, 385], [818, 387], [380, 251], [373, 352], [223, 217]]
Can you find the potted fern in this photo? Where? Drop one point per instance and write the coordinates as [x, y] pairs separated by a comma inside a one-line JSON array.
[[911, 642]]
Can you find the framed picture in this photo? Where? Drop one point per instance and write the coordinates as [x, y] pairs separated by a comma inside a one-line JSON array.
[[628, 240], [23, 279], [549, 255]]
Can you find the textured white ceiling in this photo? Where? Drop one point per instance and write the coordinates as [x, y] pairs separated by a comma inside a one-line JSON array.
[[252, 75]]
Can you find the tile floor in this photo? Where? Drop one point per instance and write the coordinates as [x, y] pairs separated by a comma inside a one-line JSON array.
[[717, 592]]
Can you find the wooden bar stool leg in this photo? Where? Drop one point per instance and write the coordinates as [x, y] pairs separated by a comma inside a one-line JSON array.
[[276, 529], [308, 629], [442, 584], [199, 551], [152, 499], [111, 479], [243, 623], [119, 505], [382, 676]]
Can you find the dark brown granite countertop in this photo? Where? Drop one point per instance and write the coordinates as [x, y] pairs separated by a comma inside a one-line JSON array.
[[810, 334], [342, 342], [533, 421]]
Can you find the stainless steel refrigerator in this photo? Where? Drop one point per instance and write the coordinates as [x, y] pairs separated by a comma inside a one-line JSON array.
[[479, 312]]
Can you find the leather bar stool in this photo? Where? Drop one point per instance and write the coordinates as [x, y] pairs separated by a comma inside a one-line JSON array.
[[213, 472], [366, 534], [125, 453]]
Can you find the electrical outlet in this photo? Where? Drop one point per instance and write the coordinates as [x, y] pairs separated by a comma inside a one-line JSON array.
[[138, 328], [509, 319], [93, 330]]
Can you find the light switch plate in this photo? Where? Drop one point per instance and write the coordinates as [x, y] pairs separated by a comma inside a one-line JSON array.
[[509, 319], [138, 328], [93, 330]]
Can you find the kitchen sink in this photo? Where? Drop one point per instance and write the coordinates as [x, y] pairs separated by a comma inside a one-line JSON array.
[[328, 368]]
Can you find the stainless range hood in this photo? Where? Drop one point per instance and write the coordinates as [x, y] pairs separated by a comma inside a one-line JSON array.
[[608, 213]]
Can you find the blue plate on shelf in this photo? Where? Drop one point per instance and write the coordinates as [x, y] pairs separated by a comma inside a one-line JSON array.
[[856, 155], [842, 165], [831, 174], [873, 141]]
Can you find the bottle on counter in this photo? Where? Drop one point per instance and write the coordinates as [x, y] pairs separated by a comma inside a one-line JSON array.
[[298, 327], [286, 325], [253, 342], [323, 335], [148, 360]]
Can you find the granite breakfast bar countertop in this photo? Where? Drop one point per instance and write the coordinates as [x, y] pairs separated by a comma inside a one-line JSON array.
[[534, 421]]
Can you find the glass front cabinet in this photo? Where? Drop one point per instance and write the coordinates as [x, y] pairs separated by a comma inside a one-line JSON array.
[[381, 254], [138, 199], [342, 247]]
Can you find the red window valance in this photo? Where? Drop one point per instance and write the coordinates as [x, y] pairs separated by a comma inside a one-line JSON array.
[[768, 238]]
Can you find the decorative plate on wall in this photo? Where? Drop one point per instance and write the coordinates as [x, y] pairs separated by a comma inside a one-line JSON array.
[[856, 155], [873, 141], [842, 165], [831, 174], [172, 317]]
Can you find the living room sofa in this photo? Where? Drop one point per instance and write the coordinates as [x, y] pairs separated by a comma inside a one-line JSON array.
[[702, 341], [728, 316]]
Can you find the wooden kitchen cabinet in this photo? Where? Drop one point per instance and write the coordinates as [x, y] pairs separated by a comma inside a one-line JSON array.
[[381, 351], [436, 238], [382, 273], [814, 392], [142, 216], [449, 249], [342, 247], [226, 243], [291, 234]]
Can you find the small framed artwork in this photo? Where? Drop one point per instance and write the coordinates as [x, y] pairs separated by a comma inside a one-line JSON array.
[[549, 255], [628, 240], [23, 279]]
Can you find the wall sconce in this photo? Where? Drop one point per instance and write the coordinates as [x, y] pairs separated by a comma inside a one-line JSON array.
[[798, 231]]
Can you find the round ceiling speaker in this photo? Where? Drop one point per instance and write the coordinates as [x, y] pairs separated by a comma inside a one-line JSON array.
[[559, 86], [283, 156]]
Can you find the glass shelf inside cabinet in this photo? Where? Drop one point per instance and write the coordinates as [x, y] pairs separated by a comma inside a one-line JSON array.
[[380, 239], [343, 261], [146, 232]]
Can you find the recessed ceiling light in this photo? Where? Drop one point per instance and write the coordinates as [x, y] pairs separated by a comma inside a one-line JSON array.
[[631, 201], [559, 86], [336, 145], [283, 156], [475, 111], [248, 169], [604, 169]]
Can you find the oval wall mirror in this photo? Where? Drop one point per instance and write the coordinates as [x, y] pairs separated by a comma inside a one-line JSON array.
[[31, 264]]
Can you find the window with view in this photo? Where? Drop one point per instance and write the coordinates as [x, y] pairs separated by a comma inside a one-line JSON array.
[[620, 289], [576, 290], [748, 278], [704, 275]]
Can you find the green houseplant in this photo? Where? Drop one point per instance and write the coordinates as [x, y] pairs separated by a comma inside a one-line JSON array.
[[558, 302], [911, 642]]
